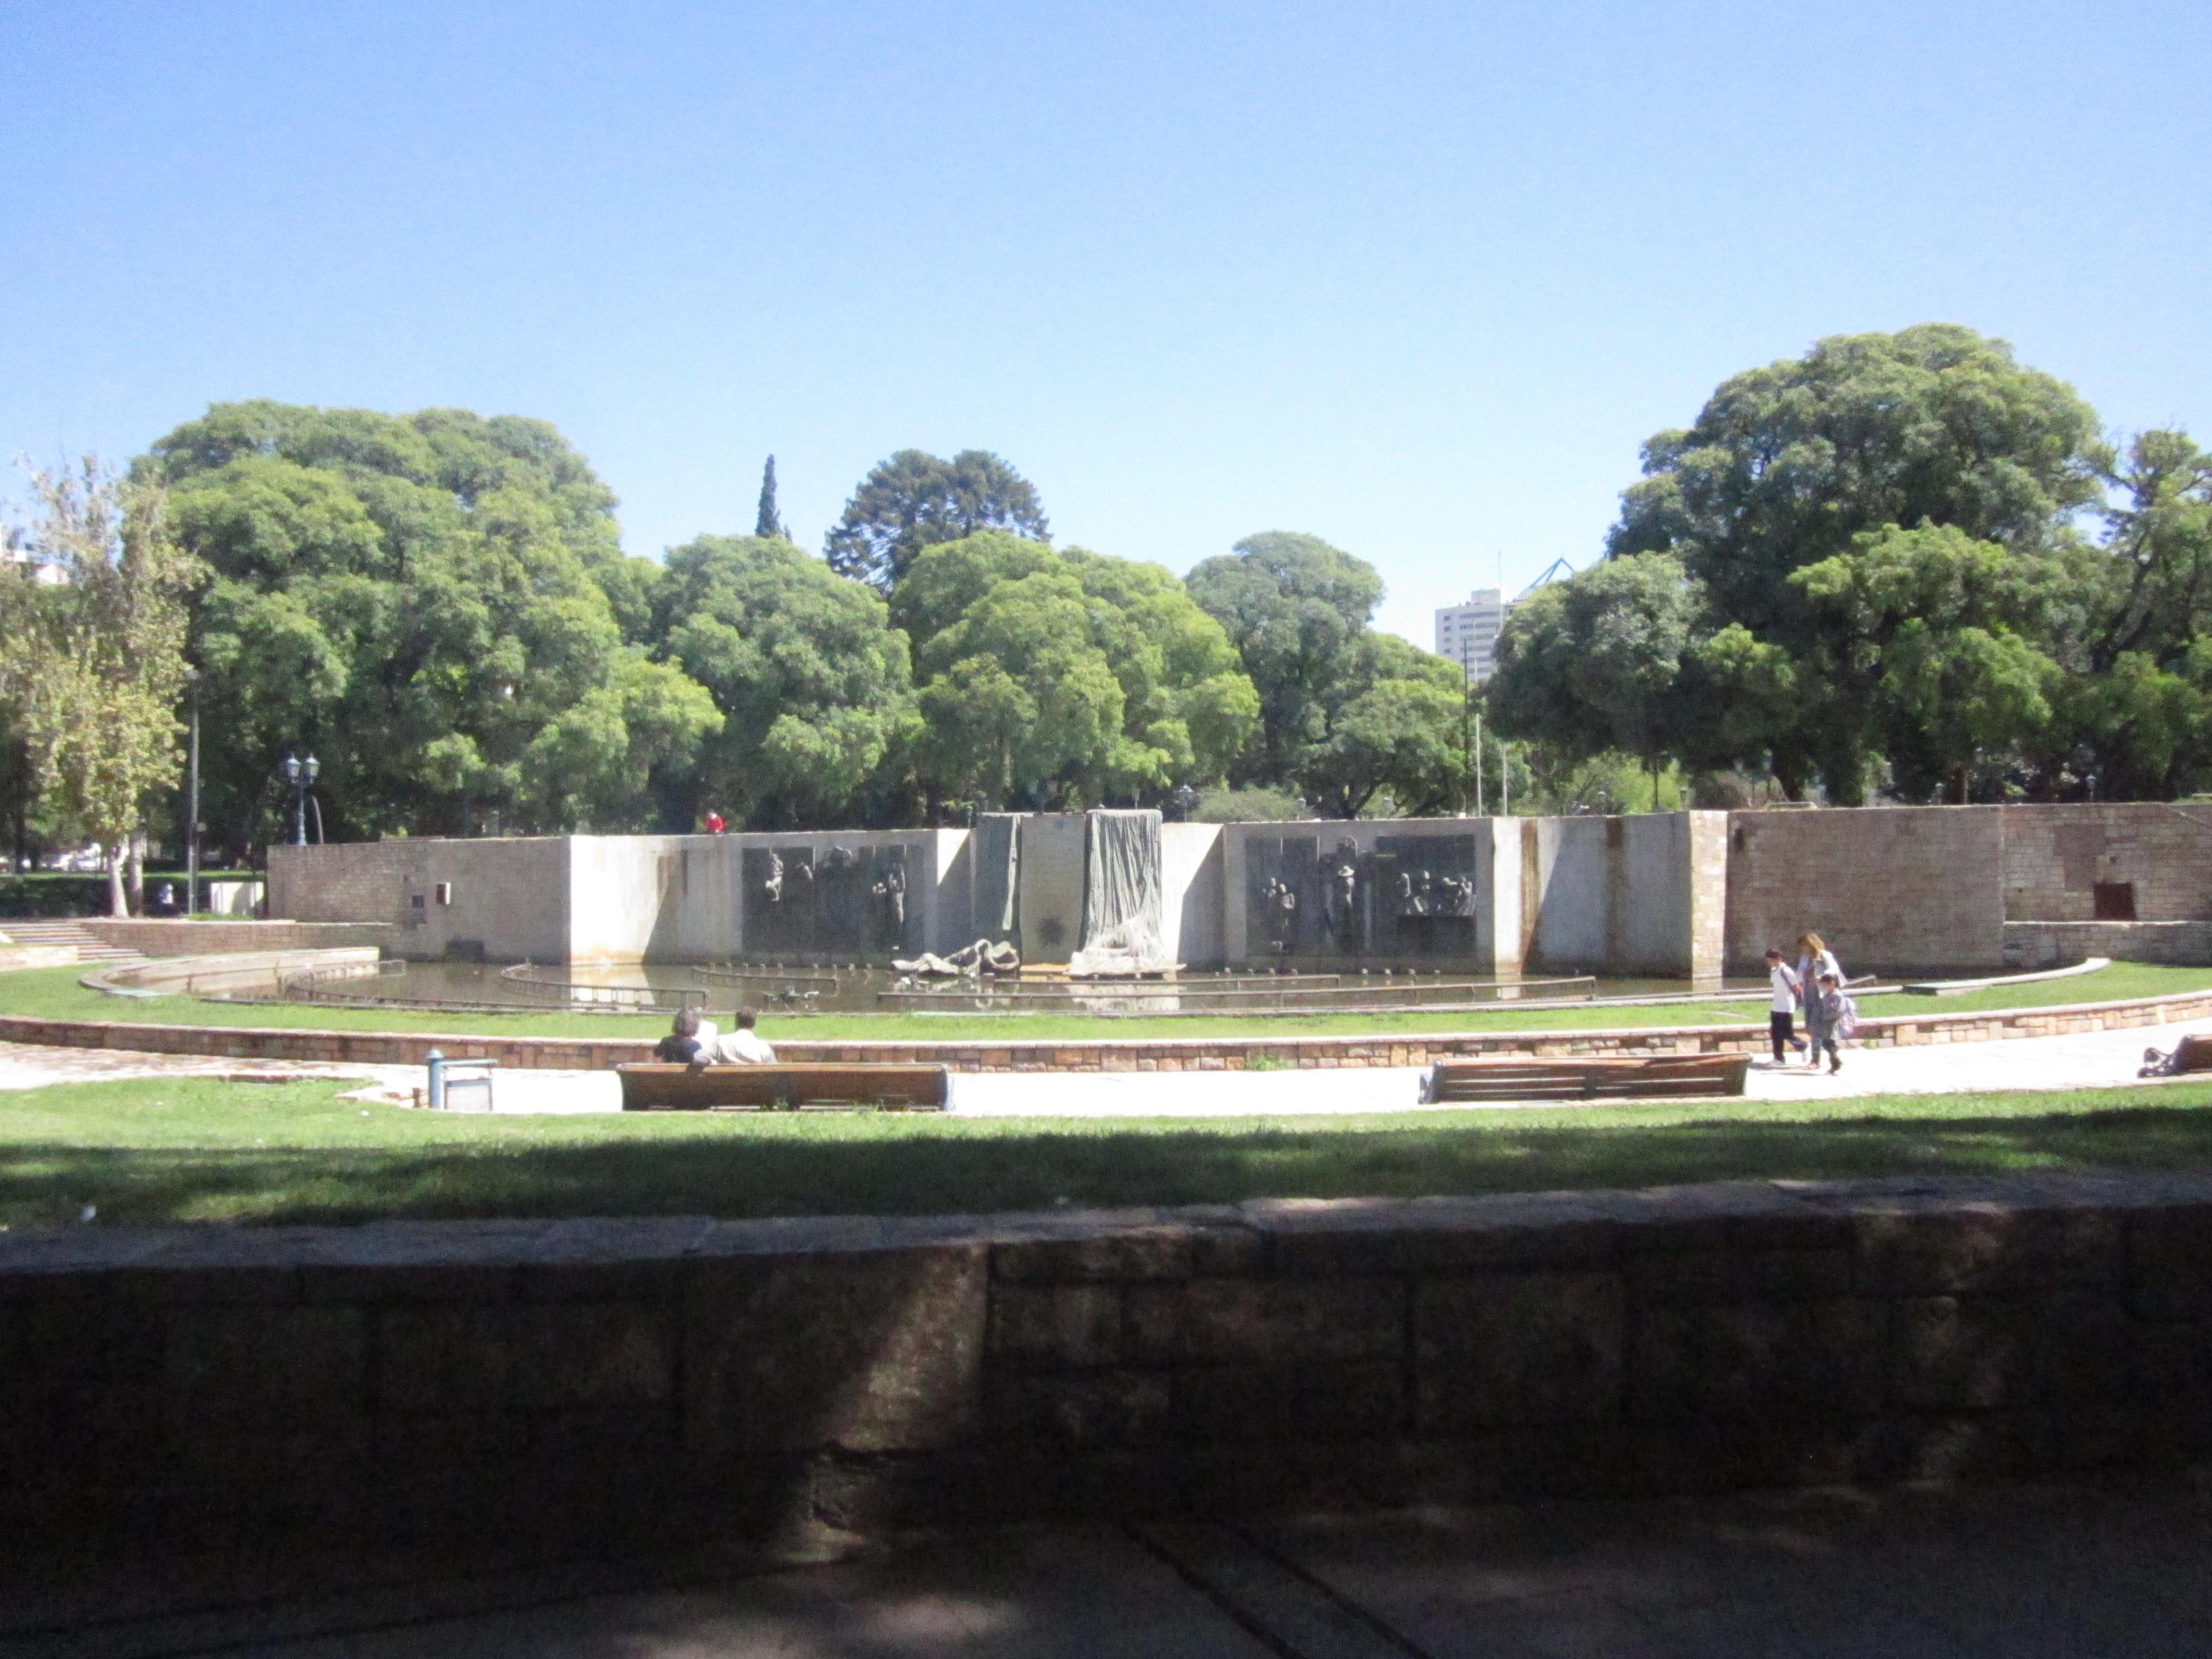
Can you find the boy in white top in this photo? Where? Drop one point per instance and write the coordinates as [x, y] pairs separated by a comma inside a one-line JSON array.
[[1783, 1005], [743, 1045]]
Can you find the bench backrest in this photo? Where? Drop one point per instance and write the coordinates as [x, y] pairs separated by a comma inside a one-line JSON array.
[[656, 1087]]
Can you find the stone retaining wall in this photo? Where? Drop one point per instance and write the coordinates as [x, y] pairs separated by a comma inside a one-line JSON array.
[[157, 937], [1096, 1054], [582, 1384]]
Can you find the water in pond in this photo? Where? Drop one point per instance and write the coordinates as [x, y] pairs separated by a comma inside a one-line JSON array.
[[819, 990]]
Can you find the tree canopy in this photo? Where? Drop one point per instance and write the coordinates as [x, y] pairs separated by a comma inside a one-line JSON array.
[[1295, 609], [1052, 677], [437, 603], [1904, 561], [811, 680], [914, 500]]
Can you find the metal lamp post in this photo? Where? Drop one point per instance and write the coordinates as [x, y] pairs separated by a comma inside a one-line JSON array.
[[300, 774], [192, 807]]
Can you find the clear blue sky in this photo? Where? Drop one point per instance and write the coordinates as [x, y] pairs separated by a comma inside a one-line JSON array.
[[1416, 278]]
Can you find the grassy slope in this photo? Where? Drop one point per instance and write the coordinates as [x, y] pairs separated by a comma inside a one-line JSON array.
[[167, 1150], [55, 994]]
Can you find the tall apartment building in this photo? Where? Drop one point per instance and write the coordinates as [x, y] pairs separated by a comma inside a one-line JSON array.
[[1467, 633]]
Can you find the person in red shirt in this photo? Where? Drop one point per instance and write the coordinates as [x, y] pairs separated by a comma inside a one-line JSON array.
[[714, 825]]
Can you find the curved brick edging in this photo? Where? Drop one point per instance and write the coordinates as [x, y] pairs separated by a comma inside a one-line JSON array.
[[577, 1384], [1100, 1054]]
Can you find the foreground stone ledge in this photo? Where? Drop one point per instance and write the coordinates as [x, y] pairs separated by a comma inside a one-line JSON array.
[[585, 1382]]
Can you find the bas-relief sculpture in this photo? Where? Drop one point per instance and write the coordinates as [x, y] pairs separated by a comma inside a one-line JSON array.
[[1409, 897], [838, 901]]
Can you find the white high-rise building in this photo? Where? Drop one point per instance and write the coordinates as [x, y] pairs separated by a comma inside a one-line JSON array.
[[1467, 633]]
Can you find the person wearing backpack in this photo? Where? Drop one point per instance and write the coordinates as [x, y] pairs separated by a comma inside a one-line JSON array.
[[1839, 1017]]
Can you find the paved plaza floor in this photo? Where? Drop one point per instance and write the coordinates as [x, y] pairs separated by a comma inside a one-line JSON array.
[[2088, 1060], [2118, 1568]]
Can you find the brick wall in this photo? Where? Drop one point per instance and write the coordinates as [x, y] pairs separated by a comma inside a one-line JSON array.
[[1892, 890], [193, 938], [2032, 944], [585, 1383], [2054, 856]]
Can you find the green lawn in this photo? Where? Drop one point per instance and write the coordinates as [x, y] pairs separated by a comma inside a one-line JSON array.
[[54, 992], [163, 1150]]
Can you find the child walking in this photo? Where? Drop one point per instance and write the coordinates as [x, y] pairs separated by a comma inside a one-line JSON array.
[[1839, 1017], [1783, 1005]]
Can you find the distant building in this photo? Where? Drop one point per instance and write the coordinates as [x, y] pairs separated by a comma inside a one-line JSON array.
[[14, 551], [1467, 633]]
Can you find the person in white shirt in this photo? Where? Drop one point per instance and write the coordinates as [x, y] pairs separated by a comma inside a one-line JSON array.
[[742, 1046], [1783, 1005]]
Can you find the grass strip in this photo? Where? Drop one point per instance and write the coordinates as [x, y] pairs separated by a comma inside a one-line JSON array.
[[54, 993], [166, 1150]]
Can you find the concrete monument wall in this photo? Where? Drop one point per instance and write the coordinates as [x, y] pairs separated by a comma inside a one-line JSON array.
[[505, 899], [1640, 895], [1190, 892]]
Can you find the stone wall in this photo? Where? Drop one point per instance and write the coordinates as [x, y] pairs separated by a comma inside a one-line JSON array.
[[2032, 944], [1911, 889], [504, 899], [2055, 857], [594, 1384], [195, 939]]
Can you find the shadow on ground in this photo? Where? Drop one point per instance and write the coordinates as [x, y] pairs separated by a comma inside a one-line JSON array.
[[765, 1169]]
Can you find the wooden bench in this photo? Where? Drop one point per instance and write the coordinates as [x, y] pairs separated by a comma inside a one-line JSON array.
[[2194, 1054], [655, 1087], [1632, 1077]]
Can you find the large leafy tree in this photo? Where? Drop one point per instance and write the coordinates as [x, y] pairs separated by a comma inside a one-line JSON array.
[[91, 670], [1592, 663], [916, 500], [1786, 465], [1920, 656], [1396, 721], [1066, 677], [813, 680], [1296, 610], [437, 603]]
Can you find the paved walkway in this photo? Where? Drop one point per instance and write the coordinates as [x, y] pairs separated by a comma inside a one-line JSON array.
[[2011, 1572], [2094, 1060]]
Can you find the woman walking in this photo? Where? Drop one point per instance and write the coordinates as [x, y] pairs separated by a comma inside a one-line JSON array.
[[1815, 960]]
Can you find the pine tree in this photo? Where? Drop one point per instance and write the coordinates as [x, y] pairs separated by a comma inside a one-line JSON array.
[[767, 524]]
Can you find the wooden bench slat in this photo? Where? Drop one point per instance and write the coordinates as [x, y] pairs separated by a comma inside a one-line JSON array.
[[658, 1087], [1594, 1077]]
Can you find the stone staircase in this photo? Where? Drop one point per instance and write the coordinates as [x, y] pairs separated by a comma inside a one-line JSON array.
[[90, 947]]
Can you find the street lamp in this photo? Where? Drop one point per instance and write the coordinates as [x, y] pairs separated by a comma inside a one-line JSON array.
[[1185, 800], [192, 806], [300, 774]]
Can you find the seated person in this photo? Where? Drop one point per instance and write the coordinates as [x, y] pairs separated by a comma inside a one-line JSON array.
[[686, 1040], [741, 1047]]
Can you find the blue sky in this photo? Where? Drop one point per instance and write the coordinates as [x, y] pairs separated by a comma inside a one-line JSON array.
[[1416, 278]]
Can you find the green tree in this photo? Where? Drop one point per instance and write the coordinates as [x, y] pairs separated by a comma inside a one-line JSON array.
[[418, 598], [1395, 722], [1067, 677], [1787, 464], [914, 500], [1296, 610], [813, 680], [1592, 662], [1918, 656], [766, 521], [91, 670]]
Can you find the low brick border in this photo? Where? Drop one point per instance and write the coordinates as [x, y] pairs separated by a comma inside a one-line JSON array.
[[582, 1383], [1103, 1054]]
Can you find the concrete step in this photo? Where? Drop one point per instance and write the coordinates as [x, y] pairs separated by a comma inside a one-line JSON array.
[[90, 947]]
